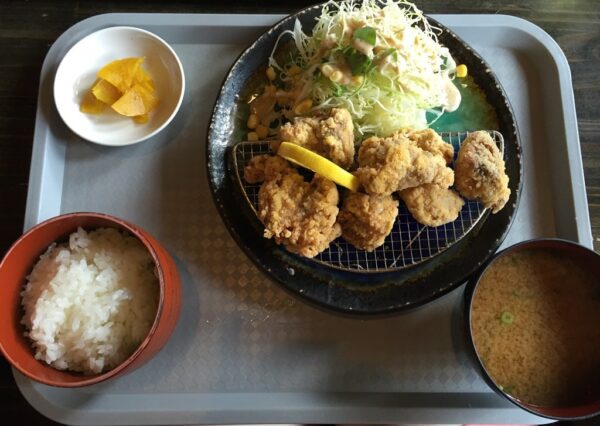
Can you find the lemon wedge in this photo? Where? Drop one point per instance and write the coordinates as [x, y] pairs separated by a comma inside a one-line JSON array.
[[318, 164]]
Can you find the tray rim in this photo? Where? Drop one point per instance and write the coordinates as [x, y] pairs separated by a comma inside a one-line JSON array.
[[42, 148]]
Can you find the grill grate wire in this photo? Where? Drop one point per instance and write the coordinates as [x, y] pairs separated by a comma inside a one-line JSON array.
[[408, 244]]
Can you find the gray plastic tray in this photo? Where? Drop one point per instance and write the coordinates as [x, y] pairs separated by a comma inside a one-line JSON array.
[[245, 351]]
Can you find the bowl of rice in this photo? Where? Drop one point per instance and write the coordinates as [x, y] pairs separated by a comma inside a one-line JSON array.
[[532, 325], [85, 297]]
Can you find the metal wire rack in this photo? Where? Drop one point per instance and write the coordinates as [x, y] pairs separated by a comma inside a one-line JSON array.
[[408, 244]]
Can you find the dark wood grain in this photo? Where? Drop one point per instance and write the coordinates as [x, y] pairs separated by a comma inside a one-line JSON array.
[[28, 28]]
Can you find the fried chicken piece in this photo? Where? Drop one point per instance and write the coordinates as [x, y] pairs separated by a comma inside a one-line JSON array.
[[480, 172], [262, 167], [337, 132], [303, 131], [298, 214], [431, 204], [429, 140], [367, 219], [254, 172], [331, 136], [387, 165]]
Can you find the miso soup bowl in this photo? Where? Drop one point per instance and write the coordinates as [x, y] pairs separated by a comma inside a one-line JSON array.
[[18, 263], [586, 259]]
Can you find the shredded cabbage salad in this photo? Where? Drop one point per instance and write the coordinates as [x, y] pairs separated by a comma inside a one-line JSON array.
[[382, 63]]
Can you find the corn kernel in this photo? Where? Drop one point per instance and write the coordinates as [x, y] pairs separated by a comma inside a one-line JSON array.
[[294, 70], [252, 136], [271, 73], [358, 80], [303, 107], [252, 121], [326, 69], [336, 76], [461, 71], [261, 131]]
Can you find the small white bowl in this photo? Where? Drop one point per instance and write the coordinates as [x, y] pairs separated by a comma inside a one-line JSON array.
[[77, 72]]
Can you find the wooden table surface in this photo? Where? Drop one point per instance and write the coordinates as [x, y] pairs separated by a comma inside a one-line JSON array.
[[28, 28]]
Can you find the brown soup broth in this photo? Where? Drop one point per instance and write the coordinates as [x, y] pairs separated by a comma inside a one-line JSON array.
[[536, 327]]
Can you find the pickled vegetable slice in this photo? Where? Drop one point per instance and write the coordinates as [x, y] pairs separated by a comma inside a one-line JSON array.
[[106, 92], [121, 73]]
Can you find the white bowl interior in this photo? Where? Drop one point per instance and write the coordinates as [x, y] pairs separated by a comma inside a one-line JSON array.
[[77, 72]]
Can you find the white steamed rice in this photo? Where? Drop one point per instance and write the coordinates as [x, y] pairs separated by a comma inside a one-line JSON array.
[[89, 304]]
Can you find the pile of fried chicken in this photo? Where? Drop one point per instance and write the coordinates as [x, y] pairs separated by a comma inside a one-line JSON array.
[[413, 164]]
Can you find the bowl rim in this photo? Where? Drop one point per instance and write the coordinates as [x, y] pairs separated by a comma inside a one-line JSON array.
[[469, 293], [99, 377], [144, 137]]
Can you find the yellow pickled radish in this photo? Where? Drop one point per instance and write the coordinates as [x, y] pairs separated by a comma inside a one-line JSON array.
[[130, 104], [126, 87], [91, 105], [106, 92], [121, 73], [141, 119]]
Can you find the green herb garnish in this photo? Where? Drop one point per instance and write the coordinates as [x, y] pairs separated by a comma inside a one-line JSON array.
[[366, 34], [506, 318], [359, 63], [339, 90], [393, 53]]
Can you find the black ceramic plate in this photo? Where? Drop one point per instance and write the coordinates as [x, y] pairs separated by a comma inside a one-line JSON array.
[[351, 292]]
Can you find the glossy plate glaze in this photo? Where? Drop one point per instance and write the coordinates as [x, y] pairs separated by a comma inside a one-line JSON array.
[[341, 291]]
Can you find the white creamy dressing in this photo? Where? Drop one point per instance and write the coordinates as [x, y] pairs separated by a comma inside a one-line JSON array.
[[346, 75], [452, 94], [387, 64], [363, 47], [407, 39], [409, 73], [452, 97], [328, 43]]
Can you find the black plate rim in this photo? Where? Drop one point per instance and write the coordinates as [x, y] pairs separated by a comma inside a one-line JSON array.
[[221, 199]]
